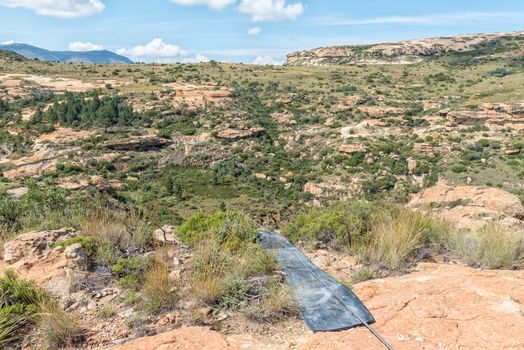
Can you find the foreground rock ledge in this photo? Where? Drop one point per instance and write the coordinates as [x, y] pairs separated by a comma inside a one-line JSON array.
[[436, 307]]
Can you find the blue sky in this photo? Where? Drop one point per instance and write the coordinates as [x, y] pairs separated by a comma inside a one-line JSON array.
[[246, 31]]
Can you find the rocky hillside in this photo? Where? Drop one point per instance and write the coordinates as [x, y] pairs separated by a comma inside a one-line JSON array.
[[403, 52], [131, 196]]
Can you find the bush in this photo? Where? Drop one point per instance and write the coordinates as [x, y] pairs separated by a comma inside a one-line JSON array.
[[344, 224], [381, 234], [130, 271], [226, 254], [500, 72], [41, 207], [89, 244], [231, 229], [458, 168], [194, 229]]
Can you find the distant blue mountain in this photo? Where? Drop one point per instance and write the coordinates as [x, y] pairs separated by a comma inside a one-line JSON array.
[[96, 57]]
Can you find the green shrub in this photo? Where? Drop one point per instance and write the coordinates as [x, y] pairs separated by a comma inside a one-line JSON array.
[[500, 72], [194, 229], [19, 303], [89, 244], [344, 224], [381, 234], [130, 271], [458, 168], [231, 229]]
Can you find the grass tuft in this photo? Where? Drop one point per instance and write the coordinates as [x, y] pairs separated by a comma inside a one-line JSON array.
[[56, 328], [226, 254], [158, 290], [493, 246]]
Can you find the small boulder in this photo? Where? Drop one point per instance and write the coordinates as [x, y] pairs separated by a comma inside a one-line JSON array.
[[165, 234], [100, 183], [412, 165], [352, 149], [75, 256], [16, 193]]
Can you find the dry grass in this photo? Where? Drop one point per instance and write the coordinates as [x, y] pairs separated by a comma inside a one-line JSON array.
[[397, 234], [394, 238], [210, 266], [385, 235], [19, 301], [120, 229], [275, 304], [158, 291], [56, 329], [226, 253], [493, 246]]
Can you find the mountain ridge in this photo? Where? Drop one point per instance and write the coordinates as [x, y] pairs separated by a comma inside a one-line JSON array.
[[401, 52], [93, 57]]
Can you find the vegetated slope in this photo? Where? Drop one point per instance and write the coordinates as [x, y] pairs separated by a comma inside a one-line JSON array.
[[267, 139], [95, 57], [11, 55], [403, 52], [118, 151]]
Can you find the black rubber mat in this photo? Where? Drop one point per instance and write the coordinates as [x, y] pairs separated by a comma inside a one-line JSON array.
[[325, 304]]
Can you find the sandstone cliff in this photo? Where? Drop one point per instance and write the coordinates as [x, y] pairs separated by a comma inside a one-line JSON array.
[[403, 52]]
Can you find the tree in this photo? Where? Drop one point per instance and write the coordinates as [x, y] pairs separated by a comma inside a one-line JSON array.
[[169, 186], [178, 191]]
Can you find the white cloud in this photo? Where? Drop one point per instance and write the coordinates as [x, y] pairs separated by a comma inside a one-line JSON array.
[[254, 31], [58, 8], [197, 59], [214, 4], [8, 42], [156, 48], [270, 10], [267, 60], [433, 19], [84, 46]]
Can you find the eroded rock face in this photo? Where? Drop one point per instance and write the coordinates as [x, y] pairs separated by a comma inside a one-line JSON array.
[[141, 143], [17, 192], [425, 150], [380, 112], [165, 234], [235, 134], [332, 188], [33, 256], [352, 149], [470, 206], [403, 52], [33, 244]]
